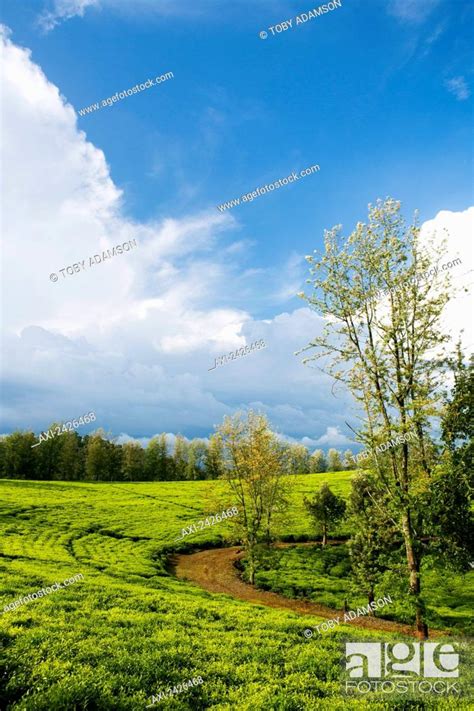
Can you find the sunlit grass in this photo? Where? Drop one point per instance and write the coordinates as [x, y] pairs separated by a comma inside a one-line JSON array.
[[129, 629]]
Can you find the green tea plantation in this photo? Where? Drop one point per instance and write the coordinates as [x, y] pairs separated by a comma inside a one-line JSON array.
[[126, 629]]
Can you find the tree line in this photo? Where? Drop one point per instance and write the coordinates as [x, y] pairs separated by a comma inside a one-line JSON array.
[[96, 457]]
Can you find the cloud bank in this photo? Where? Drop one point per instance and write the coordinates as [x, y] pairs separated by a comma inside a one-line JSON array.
[[132, 338]]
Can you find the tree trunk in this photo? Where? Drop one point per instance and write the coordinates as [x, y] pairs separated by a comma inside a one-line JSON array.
[[251, 567], [252, 575], [250, 547], [325, 535], [414, 569], [268, 535]]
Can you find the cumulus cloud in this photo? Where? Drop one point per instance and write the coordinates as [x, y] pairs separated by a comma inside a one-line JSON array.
[[133, 338], [458, 86], [456, 228], [333, 437]]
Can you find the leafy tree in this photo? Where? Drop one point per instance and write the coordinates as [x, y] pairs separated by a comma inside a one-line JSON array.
[[327, 509], [3, 448], [318, 461], [381, 349], [450, 495], [254, 470], [373, 535], [213, 463], [115, 461], [334, 461], [98, 458], [48, 454], [158, 466], [348, 461], [133, 461], [298, 459], [196, 457], [180, 457], [19, 457], [458, 418], [275, 490], [71, 459]]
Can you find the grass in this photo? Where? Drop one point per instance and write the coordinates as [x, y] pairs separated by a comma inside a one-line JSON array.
[[322, 575], [128, 629]]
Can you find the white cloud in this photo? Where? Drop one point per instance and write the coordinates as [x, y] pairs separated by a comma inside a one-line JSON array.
[[333, 438], [207, 10], [458, 229], [132, 339], [458, 86], [64, 10], [143, 441]]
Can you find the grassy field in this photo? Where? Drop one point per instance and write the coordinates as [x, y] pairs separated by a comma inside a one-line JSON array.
[[128, 629]]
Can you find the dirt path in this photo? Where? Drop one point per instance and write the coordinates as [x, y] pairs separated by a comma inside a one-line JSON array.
[[214, 570]]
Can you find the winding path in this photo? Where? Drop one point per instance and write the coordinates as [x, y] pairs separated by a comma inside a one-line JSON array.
[[215, 571]]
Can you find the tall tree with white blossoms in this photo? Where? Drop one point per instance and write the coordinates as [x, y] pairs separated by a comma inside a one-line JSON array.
[[382, 330]]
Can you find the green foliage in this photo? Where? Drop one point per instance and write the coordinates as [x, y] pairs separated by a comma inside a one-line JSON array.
[[298, 459], [133, 461], [98, 459], [348, 460], [196, 459], [318, 461], [213, 462], [95, 457], [382, 326], [180, 457], [449, 500], [458, 418], [322, 574], [157, 463], [71, 458], [326, 509], [450, 516], [374, 536], [254, 472], [334, 461], [19, 457]]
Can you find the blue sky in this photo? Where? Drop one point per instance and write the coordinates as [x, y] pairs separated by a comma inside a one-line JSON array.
[[377, 93]]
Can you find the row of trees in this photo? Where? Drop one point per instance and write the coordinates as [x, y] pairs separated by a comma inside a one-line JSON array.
[[95, 457], [302, 462]]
